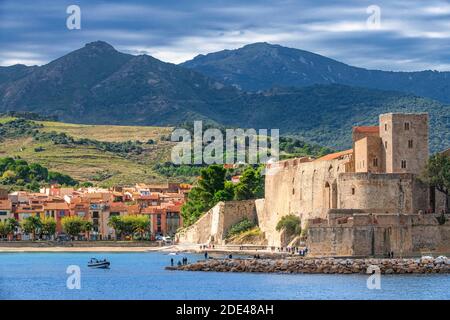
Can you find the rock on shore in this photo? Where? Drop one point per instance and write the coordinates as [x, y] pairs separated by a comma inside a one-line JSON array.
[[321, 265]]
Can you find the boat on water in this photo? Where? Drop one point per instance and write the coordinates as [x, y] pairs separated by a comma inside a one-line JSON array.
[[98, 264]]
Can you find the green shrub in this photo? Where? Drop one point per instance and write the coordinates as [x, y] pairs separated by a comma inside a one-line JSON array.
[[291, 224], [240, 227]]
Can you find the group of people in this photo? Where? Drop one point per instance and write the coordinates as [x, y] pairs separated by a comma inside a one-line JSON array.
[[390, 254], [293, 250], [183, 261], [207, 246]]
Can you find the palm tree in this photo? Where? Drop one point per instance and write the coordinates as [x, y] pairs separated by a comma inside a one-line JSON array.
[[13, 224], [87, 228], [116, 223], [31, 225], [141, 224]]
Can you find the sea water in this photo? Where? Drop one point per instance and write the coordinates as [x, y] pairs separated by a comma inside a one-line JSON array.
[[142, 276]]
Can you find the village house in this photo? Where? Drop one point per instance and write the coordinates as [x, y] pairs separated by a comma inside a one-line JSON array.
[[97, 205], [5, 209]]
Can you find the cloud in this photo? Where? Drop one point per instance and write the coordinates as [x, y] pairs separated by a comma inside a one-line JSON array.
[[413, 34]]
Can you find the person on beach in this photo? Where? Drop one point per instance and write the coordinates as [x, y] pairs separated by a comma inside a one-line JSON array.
[[206, 255], [171, 262]]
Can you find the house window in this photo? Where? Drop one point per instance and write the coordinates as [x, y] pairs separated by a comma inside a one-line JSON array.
[[375, 162], [403, 164], [410, 144], [406, 125]]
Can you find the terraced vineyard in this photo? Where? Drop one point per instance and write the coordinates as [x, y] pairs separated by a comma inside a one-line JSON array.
[[88, 163]]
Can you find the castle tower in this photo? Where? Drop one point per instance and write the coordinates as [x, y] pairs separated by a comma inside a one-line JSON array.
[[404, 139]]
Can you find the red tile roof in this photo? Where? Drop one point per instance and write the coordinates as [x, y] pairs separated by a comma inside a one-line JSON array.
[[366, 129], [56, 206], [335, 155]]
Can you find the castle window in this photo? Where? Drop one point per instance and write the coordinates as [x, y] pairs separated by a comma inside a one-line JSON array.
[[406, 125], [375, 162], [353, 191], [385, 127], [403, 164], [410, 144], [385, 144], [293, 191]]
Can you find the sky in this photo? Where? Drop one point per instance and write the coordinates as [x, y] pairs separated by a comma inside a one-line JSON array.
[[406, 35]]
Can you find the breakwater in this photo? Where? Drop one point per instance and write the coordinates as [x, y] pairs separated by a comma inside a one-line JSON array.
[[321, 265]]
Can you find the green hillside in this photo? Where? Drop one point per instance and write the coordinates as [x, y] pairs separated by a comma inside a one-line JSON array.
[[87, 162]]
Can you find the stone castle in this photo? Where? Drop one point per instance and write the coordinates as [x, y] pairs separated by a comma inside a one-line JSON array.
[[365, 201]]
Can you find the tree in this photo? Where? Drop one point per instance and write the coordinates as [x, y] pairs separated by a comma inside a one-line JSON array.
[[251, 185], [141, 225], [227, 194], [202, 197], [31, 225], [86, 227], [12, 225], [48, 227], [3, 229], [212, 179], [437, 174], [128, 225], [116, 223], [291, 224], [72, 225]]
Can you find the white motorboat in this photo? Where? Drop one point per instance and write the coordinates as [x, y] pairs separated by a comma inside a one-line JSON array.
[[98, 264]]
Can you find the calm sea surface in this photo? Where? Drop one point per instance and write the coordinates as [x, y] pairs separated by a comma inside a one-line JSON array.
[[142, 276]]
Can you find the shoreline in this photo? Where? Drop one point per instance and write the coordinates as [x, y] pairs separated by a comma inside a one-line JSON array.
[[77, 249]]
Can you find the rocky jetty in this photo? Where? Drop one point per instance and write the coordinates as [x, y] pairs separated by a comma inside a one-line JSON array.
[[322, 265]]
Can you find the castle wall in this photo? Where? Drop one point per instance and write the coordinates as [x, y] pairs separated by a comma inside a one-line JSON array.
[[306, 189], [213, 226], [378, 234], [389, 193]]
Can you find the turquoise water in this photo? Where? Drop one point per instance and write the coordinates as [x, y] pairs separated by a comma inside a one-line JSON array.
[[142, 276]]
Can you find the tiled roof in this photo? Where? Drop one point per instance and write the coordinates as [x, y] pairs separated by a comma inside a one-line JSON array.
[[56, 206], [335, 155], [366, 129]]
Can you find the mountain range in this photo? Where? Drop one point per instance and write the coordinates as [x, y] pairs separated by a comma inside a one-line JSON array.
[[259, 86], [261, 66]]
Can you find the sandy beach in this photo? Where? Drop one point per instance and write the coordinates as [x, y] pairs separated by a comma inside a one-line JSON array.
[[192, 248], [80, 249]]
